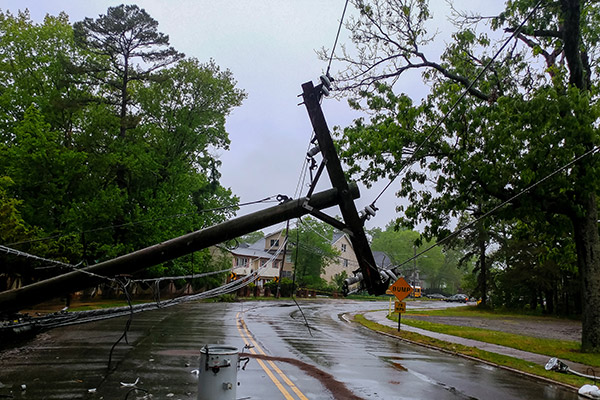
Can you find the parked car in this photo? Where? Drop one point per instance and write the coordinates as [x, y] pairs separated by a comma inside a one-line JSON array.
[[459, 298], [436, 296]]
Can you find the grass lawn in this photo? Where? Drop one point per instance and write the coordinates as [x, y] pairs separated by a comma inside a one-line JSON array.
[[563, 349], [498, 359]]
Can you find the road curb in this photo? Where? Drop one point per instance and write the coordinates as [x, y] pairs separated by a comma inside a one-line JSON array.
[[465, 356]]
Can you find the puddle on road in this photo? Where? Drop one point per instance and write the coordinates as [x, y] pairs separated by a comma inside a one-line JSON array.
[[392, 360]]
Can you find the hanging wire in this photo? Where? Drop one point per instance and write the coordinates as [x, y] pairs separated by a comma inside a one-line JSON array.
[[496, 208], [336, 38], [294, 276], [458, 101], [19, 253], [127, 324]]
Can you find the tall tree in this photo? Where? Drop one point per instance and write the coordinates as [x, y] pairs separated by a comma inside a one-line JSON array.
[[73, 189], [402, 244], [533, 111], [124, 34], [313, 251]]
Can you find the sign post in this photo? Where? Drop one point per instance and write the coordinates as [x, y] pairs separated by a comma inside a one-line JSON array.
[[401, 289], [399, 307]]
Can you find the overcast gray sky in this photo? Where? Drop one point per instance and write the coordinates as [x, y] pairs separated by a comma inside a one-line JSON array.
[[269, 45]]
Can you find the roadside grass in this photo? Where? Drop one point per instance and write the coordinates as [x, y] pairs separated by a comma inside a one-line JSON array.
[[505, 361], [94, 305], [563, 349], [475, 311]]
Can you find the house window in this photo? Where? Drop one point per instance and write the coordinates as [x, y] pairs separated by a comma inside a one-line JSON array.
[[345, 263], [241, 262], [263, 263], [343, 247], [275, 264]]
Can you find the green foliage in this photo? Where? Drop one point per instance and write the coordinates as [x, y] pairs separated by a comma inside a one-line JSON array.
[[286, 287], [439, 266], [105, 150], [535, 110], [338, 281], [252, 237], [312, 252]]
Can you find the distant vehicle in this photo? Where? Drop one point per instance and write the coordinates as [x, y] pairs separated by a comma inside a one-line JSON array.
[[416, 291], [459, 298], [436, 296]]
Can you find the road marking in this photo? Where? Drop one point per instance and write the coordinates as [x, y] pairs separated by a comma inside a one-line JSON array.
[[247, 337]]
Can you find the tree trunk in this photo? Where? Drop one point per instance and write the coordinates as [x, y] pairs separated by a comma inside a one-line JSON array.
[[123, 111], [483, 272], [587, 242]]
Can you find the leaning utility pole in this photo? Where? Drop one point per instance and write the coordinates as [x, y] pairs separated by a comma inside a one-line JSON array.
[[353, 223]]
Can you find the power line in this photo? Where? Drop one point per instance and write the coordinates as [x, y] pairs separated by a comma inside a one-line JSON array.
[[19, 253], [496, 208], [458, 101], [336, 38], [78, 317]]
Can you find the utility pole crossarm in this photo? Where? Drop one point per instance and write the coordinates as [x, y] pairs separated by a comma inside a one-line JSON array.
[[353, 222]]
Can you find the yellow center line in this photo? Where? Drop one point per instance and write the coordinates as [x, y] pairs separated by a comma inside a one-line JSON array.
[[284, 377], [274, 379]]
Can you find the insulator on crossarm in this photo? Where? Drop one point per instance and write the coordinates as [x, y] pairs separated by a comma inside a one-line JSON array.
[[368, 212], [326, 81], [387, 274], [313, 152]]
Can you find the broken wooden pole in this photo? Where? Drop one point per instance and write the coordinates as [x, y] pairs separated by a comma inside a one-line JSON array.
[[16, 299]]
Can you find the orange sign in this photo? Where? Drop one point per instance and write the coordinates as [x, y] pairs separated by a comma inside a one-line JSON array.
[[400, 307], [401, 289]]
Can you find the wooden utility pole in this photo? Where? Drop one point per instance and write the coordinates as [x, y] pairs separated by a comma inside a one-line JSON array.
[[353, 223], [16, 299]]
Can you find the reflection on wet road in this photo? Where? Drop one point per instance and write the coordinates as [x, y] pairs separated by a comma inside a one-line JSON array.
[[377, 367], [328, 358]]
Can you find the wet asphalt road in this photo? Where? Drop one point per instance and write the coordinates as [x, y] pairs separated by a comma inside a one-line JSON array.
[[164, 345]]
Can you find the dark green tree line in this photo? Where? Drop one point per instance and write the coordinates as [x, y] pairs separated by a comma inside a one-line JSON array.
[[106, 139]]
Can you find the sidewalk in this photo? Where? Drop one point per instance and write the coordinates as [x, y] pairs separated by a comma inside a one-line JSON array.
[[380, 317]]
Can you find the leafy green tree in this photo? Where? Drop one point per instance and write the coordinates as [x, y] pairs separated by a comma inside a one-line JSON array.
[[35, 70], [402, 244], [252, 237], [312, 252], [125, 33], [533, 111], [83, 188], [338, 280]]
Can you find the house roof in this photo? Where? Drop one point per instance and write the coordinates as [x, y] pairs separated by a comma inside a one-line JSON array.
[[337, 235], [250, 252], [258, 245]]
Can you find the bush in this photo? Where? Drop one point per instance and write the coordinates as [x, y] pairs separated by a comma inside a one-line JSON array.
[[286, 287]]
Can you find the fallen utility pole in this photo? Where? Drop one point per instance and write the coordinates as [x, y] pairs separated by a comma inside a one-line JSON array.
[[371, 277], [16, 299]]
